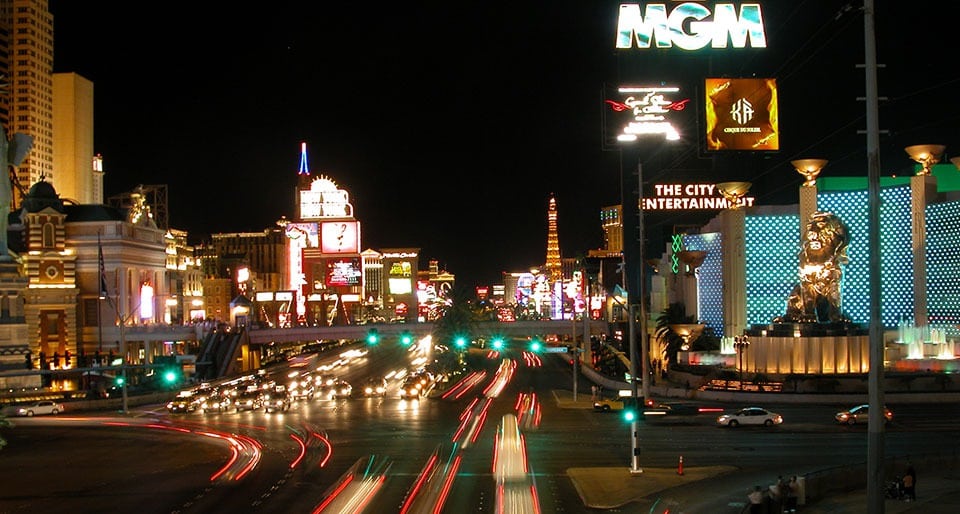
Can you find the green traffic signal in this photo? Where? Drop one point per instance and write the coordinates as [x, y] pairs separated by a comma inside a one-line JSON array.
[[536, 346], [629, 409], [460, 342], [498, 343], [373, 337], [406, 339], [170, 376], [119, 380]]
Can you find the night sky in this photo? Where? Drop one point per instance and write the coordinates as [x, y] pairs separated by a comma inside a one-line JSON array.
[[450, 124]]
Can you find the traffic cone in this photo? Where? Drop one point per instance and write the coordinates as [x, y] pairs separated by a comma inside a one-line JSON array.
[[680, 466]]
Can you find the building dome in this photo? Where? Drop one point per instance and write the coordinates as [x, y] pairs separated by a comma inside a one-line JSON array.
[[42, 195]]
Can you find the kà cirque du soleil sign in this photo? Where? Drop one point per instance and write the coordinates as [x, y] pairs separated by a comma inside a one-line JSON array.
[[690, 26]]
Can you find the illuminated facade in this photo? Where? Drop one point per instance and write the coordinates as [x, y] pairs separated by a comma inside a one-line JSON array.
[[770, 243], [73, 157]]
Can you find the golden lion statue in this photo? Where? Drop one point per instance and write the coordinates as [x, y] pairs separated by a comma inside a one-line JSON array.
[[823, 251]]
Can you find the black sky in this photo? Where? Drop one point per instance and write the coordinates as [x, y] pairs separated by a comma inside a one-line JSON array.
[[450, 124]]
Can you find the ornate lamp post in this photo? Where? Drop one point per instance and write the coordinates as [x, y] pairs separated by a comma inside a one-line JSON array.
[[925, 155], [740, 344]]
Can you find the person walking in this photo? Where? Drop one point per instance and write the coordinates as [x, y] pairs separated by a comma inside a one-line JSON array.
[[910, 483]]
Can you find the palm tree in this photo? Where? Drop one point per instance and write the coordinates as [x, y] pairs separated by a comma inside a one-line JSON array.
[[670, 341]]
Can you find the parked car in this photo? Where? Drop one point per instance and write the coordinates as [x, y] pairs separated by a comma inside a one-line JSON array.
[[860, 414], [39, 408], [750, 416]]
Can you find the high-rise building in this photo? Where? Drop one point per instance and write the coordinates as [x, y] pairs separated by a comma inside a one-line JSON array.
[[73, 157], [553, 268], [29, 60]]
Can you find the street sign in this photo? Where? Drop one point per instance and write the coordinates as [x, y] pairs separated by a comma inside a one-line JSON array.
[[555, 349]]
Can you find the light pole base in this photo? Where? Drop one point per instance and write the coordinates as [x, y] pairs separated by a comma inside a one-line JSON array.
[[636, 471]]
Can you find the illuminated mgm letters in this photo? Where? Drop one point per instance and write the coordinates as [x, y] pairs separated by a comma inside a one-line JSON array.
[[673, 28]]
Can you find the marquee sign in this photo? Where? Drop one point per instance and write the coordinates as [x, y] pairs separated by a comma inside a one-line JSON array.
[[647, 110], [689, 197], [689, 27], [324, 200]]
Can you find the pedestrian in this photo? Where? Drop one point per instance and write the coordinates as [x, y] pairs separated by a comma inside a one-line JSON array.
[[756, 500], [910, 483], [792, 490], [593, 391], [776, 496]]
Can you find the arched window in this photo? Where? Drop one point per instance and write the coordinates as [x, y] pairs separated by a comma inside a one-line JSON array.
[[49, 238]]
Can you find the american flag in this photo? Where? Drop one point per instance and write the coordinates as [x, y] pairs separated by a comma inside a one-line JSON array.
[[103, 271]]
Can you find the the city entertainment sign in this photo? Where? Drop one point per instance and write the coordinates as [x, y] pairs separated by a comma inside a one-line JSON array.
[[689, 26]]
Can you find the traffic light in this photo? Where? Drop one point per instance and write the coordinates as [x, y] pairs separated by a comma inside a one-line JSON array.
[[629, 409], [535, 345], [170, 376], [406, 338], [373, 337], [119, 380], [497, 343], [460, 342]]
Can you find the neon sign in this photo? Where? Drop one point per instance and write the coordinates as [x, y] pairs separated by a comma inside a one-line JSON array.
[[324, 200], [687, 26], [648, 108], [689, 197]]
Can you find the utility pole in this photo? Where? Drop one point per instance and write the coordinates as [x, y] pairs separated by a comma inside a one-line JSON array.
[[876, 421]]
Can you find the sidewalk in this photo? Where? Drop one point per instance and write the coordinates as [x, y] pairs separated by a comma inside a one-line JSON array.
[[618, 488], [935, 495]]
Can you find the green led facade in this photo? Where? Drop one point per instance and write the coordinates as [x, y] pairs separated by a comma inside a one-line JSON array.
[[943, 267], [772, 244], [896, 256], [711, 279]]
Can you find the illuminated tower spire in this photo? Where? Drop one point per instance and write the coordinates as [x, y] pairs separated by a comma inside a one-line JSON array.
[[304, 173], [553, 265]]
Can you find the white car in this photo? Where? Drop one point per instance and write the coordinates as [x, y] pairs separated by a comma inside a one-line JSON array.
[[750, 416], [39, 408]]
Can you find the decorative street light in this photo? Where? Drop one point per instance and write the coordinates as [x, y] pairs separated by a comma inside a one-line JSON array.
[[741, 343]]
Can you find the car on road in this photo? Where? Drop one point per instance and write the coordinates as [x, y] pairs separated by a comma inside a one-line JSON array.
[[216, 402], [186, 401], [608, 404], [375, 386], [860, 414], [276, 401], [248, 400], [750, 416], [341, 389], [39, 408], [619, 403]]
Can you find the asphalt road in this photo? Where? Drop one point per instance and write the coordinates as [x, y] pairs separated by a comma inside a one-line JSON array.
[[154, 461]]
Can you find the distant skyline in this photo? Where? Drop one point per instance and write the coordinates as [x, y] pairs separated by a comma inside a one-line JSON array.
[[451, 125]]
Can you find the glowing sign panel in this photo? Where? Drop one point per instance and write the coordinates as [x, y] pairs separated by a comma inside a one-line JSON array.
[[742, 114], [340, 236], [343, 272], [689, 197], [647, 110], [324, 200], [688, 26]]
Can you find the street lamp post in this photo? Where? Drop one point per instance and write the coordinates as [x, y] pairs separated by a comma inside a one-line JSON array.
[[741, 343]]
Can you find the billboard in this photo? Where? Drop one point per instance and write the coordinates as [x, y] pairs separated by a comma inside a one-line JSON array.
[[742, 114], [400, 285], [340, 237], [343, 272], [634, 112], [690, 26]]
